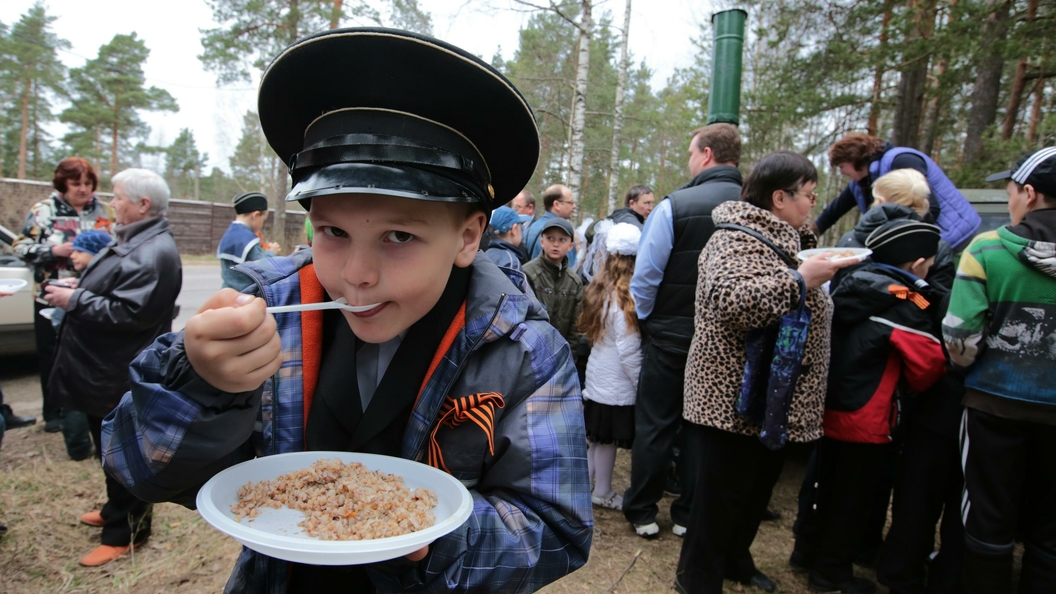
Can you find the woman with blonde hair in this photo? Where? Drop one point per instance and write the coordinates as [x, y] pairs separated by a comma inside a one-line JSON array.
[[907, 187], [609, 321]]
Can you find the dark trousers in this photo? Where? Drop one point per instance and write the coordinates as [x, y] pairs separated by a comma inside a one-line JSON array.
[[847, 478], [1009, 482], [127, 517], [657, 418], [873, 537], [735, 477], [806, 525], [928, 484], [46, 340]]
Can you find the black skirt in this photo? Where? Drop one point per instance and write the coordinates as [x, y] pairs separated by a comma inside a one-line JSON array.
[[609, 424]]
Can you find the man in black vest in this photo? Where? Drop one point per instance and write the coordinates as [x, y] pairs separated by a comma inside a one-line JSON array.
[[664, 287]]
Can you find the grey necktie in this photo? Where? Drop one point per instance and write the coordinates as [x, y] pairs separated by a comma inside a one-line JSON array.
[[367, 372]]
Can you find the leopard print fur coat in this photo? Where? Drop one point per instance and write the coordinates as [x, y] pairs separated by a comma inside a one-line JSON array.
[[744, 285]]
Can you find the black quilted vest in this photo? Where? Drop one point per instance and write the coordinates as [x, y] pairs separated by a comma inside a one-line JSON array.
[[670, 325]]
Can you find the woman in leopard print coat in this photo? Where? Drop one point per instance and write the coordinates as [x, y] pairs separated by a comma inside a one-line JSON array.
[[744, 285]]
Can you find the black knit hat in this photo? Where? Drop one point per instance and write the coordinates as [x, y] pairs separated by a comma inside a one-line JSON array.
[[248, 202], [903, 240]]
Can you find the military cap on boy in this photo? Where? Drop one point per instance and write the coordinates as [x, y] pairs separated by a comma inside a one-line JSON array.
[[504, 218], [91, 242], [247, 202], [1037, 169], [560, 224], [903, 240], [383, 111]]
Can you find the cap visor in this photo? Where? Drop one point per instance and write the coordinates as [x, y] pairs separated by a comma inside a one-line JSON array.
[[1000, 176], [369, 178]]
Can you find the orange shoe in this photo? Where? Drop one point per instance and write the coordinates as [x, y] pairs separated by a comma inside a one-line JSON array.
[[104, 554], [93, 518]]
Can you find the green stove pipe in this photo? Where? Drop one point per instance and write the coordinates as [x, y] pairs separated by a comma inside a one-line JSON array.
[[724, 102]]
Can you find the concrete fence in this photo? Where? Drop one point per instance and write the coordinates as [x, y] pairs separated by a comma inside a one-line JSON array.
[[197, 226]]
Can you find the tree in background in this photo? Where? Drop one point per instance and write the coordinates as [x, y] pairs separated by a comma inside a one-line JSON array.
[[183, 166], [617, 124], [30, 76], [254, 166], [107, 94], [250, 33]]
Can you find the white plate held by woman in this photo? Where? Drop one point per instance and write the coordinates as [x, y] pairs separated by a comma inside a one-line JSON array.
[[846, 254], [12, 285], [274, 532]]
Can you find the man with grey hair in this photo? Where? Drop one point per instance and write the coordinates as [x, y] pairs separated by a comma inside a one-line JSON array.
[[124, 299]]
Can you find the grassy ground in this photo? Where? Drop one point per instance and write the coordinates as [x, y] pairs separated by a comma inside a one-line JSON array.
[[43, 493]]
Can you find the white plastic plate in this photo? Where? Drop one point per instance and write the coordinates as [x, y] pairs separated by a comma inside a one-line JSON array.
[[275, 531], [47, 312], [859, 253], [12, 285]]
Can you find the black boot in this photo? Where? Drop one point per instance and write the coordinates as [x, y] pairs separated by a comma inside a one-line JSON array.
[[13, 421], [855, 585], [987, 567], [1039, 570], [760, 580]]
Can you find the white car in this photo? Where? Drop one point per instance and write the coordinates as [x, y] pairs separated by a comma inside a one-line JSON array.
[[16, 311]]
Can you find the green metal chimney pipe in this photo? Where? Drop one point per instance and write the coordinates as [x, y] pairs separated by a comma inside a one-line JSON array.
[[724, 103]]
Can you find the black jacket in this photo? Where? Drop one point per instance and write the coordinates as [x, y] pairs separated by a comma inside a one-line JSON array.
[[885, 332], [626, 215], [942, 272], [124, 301], [670, 326]]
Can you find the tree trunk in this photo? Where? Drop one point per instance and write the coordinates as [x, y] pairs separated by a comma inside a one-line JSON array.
[[935, 107], [909, 107], [335, 17], [24, 134], [878, 74], [579, 104], [987, 81], [937, 103], [1035, 111], [617, 124], [1018, 84], [113, 138]]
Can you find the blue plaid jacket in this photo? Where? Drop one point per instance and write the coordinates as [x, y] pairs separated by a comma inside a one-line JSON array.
[[532, 520]]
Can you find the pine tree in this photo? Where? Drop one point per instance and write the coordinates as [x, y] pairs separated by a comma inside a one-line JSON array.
[[32, 76], [107, 94], [254, 166], [250, 33], [183, 166]]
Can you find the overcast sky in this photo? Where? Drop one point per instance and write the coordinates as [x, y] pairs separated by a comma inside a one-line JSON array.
[[660, 33]]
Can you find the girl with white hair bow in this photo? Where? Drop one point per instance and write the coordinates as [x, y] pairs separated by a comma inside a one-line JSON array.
[[608, 320]]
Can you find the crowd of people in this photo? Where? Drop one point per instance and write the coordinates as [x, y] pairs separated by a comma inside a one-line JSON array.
[[672, 304], [519, 353]]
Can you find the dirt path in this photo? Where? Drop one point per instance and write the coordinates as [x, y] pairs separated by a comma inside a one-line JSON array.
[[43, 493]]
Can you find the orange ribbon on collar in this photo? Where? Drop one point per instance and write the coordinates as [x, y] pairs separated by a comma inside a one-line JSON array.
[[904, 293], [478, 408]]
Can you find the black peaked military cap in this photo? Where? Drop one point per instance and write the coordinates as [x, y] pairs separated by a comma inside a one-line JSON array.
[[389, 112]]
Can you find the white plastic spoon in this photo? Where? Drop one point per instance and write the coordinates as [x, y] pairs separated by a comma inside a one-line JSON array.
[[339, 303]]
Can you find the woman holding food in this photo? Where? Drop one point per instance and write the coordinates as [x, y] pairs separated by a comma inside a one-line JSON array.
[[746, 284], [45, 244]]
